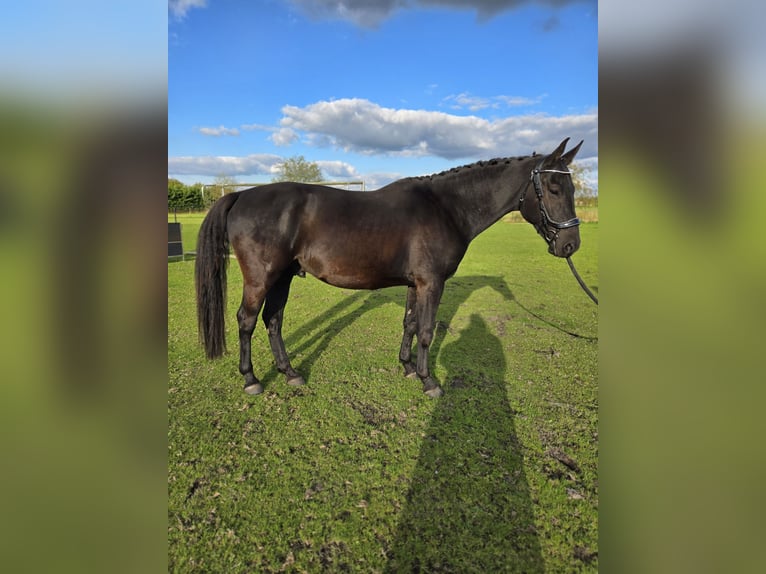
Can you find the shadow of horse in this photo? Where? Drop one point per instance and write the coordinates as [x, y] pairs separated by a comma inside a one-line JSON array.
[[469, 507], [308, 341]]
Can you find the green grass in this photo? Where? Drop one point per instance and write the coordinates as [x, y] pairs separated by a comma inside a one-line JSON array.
[[360, 471]]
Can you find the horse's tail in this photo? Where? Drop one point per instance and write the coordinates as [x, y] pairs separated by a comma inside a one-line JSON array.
[[210, 276]]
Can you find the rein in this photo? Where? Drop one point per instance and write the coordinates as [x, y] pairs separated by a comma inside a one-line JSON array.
[[546, 222], [581, 282]]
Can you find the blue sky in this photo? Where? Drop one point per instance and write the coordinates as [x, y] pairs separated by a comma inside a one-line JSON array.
[[376, 90]]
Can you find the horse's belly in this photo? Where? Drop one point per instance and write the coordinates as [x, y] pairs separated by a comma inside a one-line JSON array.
[[354, 274], [350, 282]]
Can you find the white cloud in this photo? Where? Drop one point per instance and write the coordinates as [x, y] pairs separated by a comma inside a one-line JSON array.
[[371, 14], [179, 8], [259, 165], [520, 100], [219, 131], [337, 169], [254, 164], [284, 136], [360, 12], [362, 126], [475, 103], [279, 136]]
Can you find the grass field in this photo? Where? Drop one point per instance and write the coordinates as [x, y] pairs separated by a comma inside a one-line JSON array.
[[358, 471]]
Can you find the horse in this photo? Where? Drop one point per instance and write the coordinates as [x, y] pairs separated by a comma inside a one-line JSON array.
[[413, 232]]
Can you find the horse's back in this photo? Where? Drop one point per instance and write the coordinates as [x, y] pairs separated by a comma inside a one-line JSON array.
[[287, 206]]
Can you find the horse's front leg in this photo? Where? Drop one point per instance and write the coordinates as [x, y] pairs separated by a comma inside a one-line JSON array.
[[428, 298], [410, 327]]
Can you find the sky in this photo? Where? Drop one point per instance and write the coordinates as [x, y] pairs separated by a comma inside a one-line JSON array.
[[376, 91]]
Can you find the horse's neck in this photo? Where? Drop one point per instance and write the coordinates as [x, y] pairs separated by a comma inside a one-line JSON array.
[[480, 195]]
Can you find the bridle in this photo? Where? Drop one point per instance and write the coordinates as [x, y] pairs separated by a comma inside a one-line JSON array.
[[546, 222]]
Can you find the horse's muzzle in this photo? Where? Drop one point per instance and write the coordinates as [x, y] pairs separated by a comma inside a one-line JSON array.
[[565, 243], [570, 247]]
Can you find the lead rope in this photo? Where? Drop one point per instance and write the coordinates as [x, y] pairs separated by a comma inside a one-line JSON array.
[[581, 282]]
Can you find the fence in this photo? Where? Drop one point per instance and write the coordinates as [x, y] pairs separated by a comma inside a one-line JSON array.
[[235, 186]]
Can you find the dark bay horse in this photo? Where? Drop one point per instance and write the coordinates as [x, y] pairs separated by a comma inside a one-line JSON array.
[[411, 232]]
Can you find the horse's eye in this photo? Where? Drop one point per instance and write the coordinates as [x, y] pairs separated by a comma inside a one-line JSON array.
[[554, 189]]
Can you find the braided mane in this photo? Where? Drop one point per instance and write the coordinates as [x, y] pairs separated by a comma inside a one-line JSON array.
[[464, 168]]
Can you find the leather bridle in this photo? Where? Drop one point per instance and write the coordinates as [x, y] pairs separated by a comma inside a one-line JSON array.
[[546, 221]]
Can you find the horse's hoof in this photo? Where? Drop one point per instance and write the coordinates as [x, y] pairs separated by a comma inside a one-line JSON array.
[[412, 375], [255, 389], [296, 381], [435, 393]]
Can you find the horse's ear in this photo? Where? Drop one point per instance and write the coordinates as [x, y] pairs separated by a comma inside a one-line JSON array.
[[569, 156], [556, 154]]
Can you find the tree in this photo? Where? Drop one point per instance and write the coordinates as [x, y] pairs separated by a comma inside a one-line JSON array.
[[202, 200], [583, 188], [182, 196], [176, 194], [296, 168], [222, 184]]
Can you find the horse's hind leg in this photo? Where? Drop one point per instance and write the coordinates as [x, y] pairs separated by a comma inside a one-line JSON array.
[[247, 317], [273, 312]]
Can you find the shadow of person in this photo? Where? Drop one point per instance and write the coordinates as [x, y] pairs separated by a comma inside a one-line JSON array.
[[469, 507], [458, 291]]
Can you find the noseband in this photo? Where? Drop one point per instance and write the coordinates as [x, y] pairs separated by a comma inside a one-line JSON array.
[[546, 222]]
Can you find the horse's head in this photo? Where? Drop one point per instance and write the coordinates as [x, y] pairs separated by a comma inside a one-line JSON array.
[[548, 202]]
